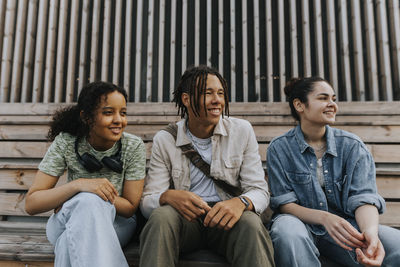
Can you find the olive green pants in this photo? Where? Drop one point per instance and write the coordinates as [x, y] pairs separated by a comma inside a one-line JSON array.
[[167, 234]]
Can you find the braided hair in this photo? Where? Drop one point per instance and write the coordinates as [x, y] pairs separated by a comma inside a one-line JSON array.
[[193, 82]]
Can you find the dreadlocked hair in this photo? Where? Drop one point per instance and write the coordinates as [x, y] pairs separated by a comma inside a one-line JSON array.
[[194, 82], [71, 121]]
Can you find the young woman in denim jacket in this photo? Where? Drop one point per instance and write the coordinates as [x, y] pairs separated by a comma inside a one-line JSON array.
[[94, 210], [323, 188]]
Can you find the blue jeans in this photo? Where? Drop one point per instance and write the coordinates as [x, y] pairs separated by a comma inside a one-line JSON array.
[[87, 232], [295, 245]]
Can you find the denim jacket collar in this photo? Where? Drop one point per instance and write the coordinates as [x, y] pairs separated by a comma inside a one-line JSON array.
[[182, 139], [330, 140]]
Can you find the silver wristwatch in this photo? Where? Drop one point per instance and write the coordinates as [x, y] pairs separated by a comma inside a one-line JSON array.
[[245, 202]]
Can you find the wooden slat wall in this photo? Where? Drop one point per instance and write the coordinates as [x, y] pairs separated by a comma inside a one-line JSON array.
[[50, 49]]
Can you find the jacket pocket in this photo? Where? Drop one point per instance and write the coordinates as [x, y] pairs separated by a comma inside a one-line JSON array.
[[232, 167], [301, 184]]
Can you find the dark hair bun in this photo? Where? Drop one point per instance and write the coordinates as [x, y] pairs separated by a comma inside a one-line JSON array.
[[289, 87]]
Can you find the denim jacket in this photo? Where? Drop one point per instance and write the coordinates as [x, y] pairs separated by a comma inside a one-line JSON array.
[[235, 160], [348, 169]]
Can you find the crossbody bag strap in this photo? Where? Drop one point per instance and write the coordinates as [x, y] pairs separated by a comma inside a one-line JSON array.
[[194, 157]]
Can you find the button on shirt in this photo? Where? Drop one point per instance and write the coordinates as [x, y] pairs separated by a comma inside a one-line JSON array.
[[348, 172]]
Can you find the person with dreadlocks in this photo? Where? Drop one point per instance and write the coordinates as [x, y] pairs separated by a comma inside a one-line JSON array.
[[190, 206]]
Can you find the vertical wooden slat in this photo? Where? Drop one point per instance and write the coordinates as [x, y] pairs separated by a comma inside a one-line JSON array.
[[358, 50], [29, 50], [282, 65], [372, 63], [18, 58], [257, 49], [128, 46], [383, 48], [333, 76], [268, 26], [344, 48], [221, 36], [84, 45], [172, 60], [394, 11], [61, 45], [294, 39], [3, 6], [233, 51], [117, 42], [209, 30], [50, 51], [306, 38], [150, 50], [196, 32], [184, 34], [40, 51], [139, 15], [161, 51], [105, 57], [73, 40], [245, 56], [94, 44], [319, 51], [8, 46]]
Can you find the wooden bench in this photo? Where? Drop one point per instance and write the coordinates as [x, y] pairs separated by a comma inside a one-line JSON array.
[[23, 129]]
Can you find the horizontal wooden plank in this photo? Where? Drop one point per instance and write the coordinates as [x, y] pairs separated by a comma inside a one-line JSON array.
[[352, 108], [264, 133], [15, 179], [14, 204], [392, 215], [256, 119], [12, 263]]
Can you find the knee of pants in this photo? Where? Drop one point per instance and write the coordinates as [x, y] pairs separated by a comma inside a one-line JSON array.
[[164, 217], [250, 220], [250, 225], [288, 229], [89, 202]]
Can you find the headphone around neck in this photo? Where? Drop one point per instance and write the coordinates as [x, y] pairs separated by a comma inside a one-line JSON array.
[[91, 164]]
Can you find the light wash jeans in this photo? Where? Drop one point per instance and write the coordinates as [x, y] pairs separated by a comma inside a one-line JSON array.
[[87, 232], [295, 245]]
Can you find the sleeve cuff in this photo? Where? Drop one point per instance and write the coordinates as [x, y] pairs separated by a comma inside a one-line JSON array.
[[283, 199], [260, 201], [149, 203], [366, 199]]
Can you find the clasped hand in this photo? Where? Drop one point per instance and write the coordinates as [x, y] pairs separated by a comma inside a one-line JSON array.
[[368, 247], [223, 215]]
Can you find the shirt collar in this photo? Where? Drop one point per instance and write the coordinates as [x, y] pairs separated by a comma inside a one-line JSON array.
[[330, 140], [182, 139]]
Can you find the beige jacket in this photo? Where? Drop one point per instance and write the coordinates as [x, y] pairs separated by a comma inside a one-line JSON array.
[[235, 159]]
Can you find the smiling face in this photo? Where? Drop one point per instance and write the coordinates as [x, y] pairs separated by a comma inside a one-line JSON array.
[[321, 107], [109, 121], [211, 108]]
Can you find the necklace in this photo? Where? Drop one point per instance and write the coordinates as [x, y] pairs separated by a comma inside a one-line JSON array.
[[319, 148]]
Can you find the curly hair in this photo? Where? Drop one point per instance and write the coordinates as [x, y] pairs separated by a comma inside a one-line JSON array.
[[194, 82], [300, 88], [69, 119]]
